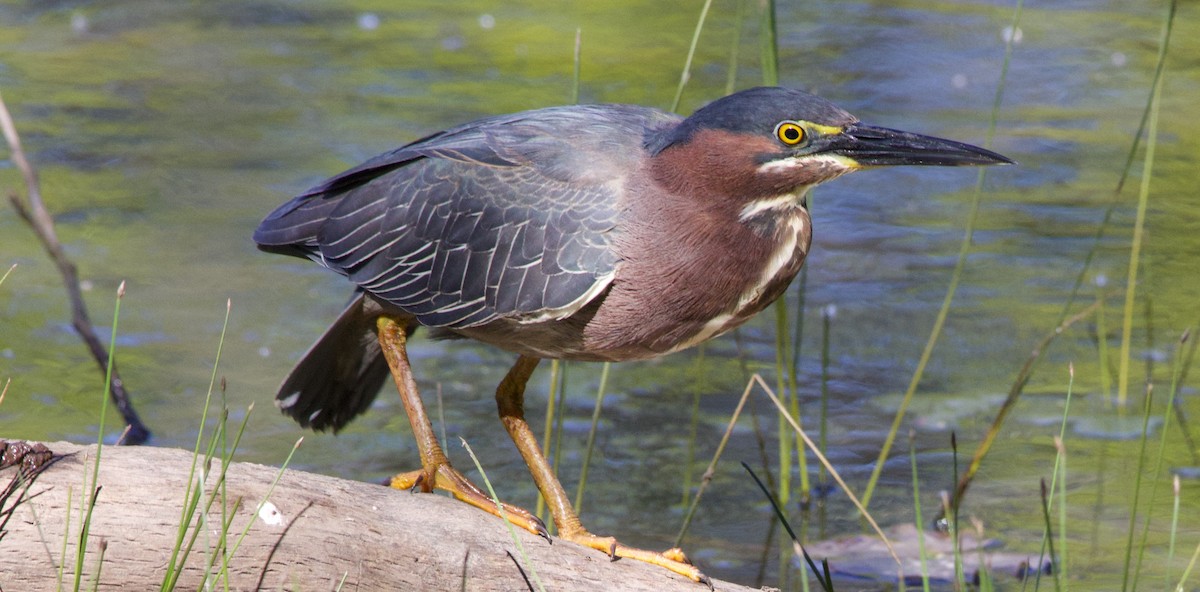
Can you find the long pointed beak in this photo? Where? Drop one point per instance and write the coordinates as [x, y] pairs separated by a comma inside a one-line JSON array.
[[870, 146]]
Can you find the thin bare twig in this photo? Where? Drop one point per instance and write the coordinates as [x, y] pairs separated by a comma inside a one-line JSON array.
[[39, 219]]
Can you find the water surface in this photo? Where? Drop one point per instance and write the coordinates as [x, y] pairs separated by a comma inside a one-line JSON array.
[[164, 131]]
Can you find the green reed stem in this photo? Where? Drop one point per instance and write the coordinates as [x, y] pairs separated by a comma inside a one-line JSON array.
[[1174, 531], [191, 497], [768, 45], [1187, 571], [1135, 250], [591, 439], [1159, 68], [837, 478], [712, 465], [951, 509], [735, 47], [577, 66], [1063, 567], [1106, 378], [784, 437], [1049, 537], [687, 64], [6, 274], [267, 496], [1162, 451], [512, 531], [823, 429], [693, 426], [1010, 401], [62, 555], [1060, 465], [93, 491], [794, 370], [1060, 468], [956, 276], [548, 430], [1137, 489], [919, 520], [561, 415]]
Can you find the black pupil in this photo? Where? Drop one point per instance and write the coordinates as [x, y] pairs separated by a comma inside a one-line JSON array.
[[792, 134]]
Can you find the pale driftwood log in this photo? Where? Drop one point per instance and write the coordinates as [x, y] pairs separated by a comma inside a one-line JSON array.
[[374, 537]]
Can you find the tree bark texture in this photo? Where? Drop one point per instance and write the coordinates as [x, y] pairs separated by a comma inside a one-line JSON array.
[[326, 534]]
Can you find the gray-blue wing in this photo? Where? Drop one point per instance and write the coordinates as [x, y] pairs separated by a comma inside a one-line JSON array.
[[507, 217]]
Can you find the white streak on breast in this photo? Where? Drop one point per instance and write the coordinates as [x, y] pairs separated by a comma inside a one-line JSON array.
[[789, 246], [779, 202]]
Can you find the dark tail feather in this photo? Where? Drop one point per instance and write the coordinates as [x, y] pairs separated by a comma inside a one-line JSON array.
[[340, 375]]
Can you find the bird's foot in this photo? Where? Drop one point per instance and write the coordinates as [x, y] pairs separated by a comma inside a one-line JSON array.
[[447, 478], [672, 559]]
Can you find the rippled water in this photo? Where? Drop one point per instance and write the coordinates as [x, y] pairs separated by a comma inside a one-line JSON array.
[[164, 131]]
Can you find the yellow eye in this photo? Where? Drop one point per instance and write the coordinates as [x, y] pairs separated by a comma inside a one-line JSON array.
[[790, 133]]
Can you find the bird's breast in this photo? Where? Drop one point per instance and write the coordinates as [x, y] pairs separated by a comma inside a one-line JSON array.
[[689, 274], [788, 241]]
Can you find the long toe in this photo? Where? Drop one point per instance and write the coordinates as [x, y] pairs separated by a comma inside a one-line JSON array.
[[447, 478], [672, 559]]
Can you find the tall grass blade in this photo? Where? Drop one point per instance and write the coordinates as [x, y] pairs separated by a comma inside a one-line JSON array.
[[1106, 377], [919, 520], [823, 417], [85, 527], [1139, 225], [62, 555], [693, 427], [1137, 489], [512, 531], [735, 47], [548, 429], [1187, 571], [194, 490], [6, 274], [784, 435], [559, 418], [712, 465], [266, 497], [1174, 531], [1046, 496], [1162, 452], [823, 575], [577, 66], [953, 506], [1181, 418], [768, 46], [1159, 68], [829, 467], [687, 64], [99, 565], [1014, 393], [591, 439], [1060, 465]]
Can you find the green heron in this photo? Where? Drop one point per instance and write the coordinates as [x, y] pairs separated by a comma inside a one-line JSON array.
[[590, 232]]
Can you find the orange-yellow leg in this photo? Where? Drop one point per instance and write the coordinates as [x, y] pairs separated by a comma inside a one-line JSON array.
[[435, 471], [510, 399]]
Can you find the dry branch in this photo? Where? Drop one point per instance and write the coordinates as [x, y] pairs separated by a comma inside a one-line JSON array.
[[39, 219]]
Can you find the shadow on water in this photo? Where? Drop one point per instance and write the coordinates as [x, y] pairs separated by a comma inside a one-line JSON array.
[[165, 131]]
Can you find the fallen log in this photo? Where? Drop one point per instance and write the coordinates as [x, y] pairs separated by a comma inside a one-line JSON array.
[[319, 533]]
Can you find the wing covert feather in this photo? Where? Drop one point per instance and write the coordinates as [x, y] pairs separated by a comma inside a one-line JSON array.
[[506, 217]]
